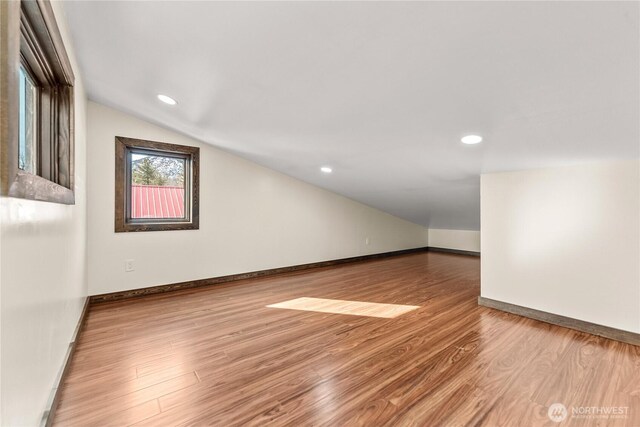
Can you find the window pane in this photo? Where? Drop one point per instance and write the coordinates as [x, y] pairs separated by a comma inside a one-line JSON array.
[[157, 187], [27, 149]]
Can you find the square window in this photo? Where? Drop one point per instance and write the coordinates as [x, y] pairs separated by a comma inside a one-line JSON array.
[[156, 186]]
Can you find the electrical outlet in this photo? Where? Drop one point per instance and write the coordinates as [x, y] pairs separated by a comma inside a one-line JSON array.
[[129, 265], [367, 241]]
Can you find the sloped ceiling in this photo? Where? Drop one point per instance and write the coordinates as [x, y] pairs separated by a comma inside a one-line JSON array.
[[380, 91]]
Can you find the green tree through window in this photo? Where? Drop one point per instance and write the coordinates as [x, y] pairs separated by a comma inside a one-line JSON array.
[[157, 170]]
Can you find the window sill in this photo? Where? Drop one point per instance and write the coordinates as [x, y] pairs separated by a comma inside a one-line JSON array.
[[124, 227], [34, 187]]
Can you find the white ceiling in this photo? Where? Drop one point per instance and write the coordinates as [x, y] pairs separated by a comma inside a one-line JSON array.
[[382, 92]]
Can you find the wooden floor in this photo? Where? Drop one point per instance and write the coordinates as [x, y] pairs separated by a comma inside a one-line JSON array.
[[219, 356]]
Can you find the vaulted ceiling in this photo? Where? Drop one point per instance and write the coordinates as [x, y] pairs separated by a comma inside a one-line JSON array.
[[380, 91]]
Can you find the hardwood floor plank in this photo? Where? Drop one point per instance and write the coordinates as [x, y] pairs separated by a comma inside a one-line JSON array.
[[220, 356], [353, 308], [112, 404]]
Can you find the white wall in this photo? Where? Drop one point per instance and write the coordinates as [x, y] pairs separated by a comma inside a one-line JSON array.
[[251, 218], [466, 240], [43, 277], [565, 241]]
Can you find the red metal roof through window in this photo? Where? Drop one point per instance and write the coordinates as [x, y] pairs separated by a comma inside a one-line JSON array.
[[154, 201]]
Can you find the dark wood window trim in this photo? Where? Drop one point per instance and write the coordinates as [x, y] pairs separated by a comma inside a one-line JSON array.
[[123, 222], [30, 37]]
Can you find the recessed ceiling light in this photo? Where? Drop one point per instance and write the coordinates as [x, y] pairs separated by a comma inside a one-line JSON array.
[[167, 99], [471, 139], [326, 169]]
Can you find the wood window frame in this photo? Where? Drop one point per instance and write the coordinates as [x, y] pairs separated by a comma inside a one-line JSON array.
[[123, 222], [31, 38]]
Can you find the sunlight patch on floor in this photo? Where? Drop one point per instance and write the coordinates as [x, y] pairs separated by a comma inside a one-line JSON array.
[[337, 306]]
